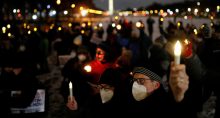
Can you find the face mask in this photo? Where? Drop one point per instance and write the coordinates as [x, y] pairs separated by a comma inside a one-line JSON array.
[[106, 95], [78, 40], [73, 54], [139, 92], [82, 57], [22, 48]]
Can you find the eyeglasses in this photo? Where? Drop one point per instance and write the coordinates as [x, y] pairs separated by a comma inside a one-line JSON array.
[[99, 53], [140, 81], [99, 86], [104, 86]]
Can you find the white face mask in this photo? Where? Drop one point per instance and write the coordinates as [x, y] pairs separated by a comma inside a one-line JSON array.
[[22, 48], [82, 57], [139, 92], [106, 95]]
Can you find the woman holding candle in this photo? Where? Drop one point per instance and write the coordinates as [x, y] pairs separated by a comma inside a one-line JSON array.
[[94, 69], [74, 89]]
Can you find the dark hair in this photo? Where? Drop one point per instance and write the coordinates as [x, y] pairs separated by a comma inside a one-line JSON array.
[[108, 55]]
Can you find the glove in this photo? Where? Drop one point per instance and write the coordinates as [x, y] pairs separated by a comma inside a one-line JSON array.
[[187, 49]]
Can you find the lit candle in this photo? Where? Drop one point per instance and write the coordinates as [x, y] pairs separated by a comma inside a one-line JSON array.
[[88, 68], [71, 91], [177, 52]]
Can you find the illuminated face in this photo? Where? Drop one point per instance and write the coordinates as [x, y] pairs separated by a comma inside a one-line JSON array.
[[100, 54], [146, 81]]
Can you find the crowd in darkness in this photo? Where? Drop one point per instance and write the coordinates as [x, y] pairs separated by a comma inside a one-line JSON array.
[[127, 73]]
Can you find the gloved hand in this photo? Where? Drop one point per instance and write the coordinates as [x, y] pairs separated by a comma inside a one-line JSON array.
[[187, 49]]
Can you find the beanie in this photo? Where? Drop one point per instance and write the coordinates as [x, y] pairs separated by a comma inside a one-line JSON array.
[[150, 74], [109, 77]]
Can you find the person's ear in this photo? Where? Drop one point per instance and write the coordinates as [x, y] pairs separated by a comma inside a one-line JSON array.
[[156, 84]]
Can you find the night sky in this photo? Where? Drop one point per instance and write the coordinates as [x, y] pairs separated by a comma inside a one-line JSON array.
[[123, 4]]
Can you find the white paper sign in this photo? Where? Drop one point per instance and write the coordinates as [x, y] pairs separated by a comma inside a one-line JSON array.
[[37, 105]]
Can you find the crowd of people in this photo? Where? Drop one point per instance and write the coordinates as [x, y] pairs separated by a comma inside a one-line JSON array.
[[128, 73]]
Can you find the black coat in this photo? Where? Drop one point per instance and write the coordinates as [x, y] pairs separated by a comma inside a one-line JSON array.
[[25, 83], [160, 104], [154, 106]]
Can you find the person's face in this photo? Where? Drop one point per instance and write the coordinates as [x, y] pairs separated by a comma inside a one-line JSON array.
[[8, 69], [106, 86], [106, 92], [17, 71], [144, 80], [100, 54], [12, 71]]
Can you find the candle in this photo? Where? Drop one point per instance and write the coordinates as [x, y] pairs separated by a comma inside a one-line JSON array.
[[177, 52], [71, 91], [88, 68]]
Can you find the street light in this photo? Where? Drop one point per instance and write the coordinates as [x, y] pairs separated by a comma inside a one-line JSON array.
[[207, 10], [73, 5], [58, 2], [84, 12], [189, 9], [196, 11], [218, 8], [65, 12]]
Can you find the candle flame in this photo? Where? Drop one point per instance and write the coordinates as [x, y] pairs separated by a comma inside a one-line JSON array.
[[138, 24], [177, 49], [88, 68], [186, 41], [70, 85]]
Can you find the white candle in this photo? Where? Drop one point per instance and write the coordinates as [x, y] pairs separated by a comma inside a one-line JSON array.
[[71, 91], [177, 52]]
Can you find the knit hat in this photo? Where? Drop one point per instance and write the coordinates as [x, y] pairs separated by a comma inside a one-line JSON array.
[[150, 74], [14, 60], [110, 77]]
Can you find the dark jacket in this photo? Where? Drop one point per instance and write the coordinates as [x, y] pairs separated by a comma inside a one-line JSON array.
[[210, 56], [116, 106], [159, 104], [154, 106], [19, 90]]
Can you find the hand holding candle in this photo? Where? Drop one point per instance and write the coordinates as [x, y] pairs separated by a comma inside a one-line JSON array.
[[177, 52], [71, 91], [178, 81], [72, 103]]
